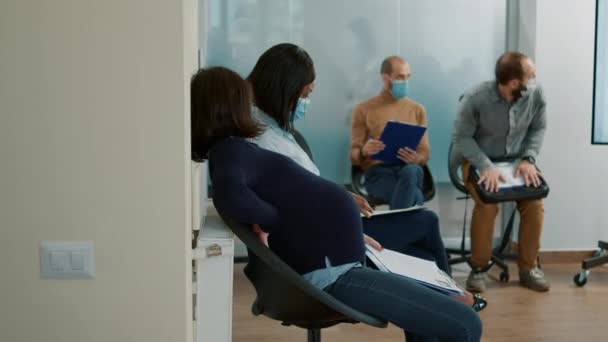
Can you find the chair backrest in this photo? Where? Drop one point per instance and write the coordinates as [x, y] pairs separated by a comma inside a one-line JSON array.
[[357, 186], [358, 180], [428, 186], [455, 164], [302, 142], [455, 169], [283, 294]]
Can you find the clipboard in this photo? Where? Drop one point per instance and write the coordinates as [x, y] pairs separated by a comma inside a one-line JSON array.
[[394, 211], [397, 135]]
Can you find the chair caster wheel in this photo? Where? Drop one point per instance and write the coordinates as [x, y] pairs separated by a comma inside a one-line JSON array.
[[504, 276], [580, 279]]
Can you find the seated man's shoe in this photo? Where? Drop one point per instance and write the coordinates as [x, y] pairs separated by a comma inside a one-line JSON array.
[[534, 279], [480, 303], [476, 282]]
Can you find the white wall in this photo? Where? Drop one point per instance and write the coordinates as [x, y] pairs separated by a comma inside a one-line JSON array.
[[93, 146], [576, 210]]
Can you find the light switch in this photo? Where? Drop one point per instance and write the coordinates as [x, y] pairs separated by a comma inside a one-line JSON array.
[[67, 260], [77, 260], [59, 261]]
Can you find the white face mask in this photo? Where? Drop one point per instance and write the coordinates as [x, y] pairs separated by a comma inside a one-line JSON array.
[[532, 85], [529, 88]]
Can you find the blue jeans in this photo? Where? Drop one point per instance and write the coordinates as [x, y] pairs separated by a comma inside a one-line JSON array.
[[423, 314], [414, 233], [399, 185]]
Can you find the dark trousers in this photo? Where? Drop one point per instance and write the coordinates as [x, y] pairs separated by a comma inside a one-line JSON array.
[[399, 185], [414, 233], [423, 314], [532, 215]]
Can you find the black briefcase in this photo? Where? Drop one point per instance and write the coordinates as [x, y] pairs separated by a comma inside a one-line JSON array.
[[517, 193]]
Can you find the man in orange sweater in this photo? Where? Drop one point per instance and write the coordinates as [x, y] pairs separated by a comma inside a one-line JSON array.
[[398, 184]]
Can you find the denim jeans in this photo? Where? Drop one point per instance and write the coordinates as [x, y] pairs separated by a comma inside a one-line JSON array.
[[414, 233], [399, 185], [423, 314]]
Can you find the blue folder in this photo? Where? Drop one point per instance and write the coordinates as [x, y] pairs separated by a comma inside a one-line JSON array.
[[397, 135]]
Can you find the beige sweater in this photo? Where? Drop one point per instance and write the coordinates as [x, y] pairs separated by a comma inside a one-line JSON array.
[[370, 117]]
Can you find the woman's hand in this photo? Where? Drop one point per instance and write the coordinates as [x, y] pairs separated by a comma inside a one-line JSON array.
[[363, 205], [260, 234], [373, 243]]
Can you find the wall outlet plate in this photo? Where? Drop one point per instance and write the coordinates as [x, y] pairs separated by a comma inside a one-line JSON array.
[[67, 260]]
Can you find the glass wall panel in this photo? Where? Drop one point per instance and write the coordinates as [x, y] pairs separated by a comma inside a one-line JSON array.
[[600, 107], [450, 44]]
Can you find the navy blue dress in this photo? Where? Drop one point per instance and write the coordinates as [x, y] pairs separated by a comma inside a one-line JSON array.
[[308, 217]]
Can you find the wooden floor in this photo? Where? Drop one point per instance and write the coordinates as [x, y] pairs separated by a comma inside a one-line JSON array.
[[566, 313]]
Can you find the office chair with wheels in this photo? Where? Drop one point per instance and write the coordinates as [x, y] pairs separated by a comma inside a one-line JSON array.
[[455, 173], [283, 295], [499, 254], [600, 257]]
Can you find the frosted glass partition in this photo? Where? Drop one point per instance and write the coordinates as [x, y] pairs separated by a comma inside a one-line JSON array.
[[600, 110], [451, 45]]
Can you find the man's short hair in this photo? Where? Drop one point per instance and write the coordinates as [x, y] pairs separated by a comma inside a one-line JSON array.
[[509, 67], [387, 64]]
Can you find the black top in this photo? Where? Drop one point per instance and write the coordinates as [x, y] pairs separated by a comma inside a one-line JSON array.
[[308, 217]]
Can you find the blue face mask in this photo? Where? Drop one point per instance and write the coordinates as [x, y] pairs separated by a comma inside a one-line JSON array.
[[301, 108], [400, 89]]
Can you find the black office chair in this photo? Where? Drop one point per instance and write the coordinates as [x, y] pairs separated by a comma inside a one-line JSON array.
[[600, 257], [358, 185], [499, 254], [302, 142], [283, 295], [455, 173]]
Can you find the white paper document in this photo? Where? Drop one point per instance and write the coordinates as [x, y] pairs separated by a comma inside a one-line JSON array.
[[508, 171], [395, 211], [423, 271]]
